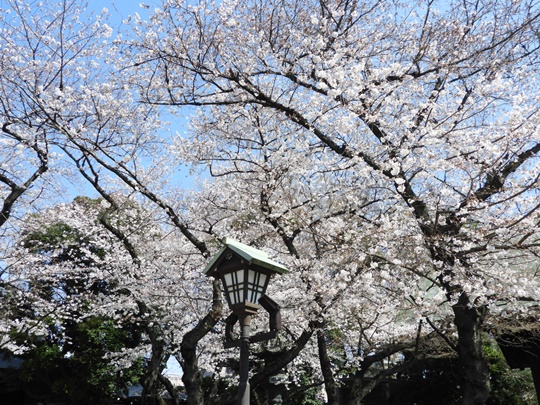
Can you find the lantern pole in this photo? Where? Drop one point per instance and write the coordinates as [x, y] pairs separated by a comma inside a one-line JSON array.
[[245, 273], [243, 386]]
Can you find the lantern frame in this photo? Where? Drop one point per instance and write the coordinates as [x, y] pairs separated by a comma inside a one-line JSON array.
[[245, 273]]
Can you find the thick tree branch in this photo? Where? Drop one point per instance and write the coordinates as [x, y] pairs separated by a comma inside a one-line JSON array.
[[496, 178]]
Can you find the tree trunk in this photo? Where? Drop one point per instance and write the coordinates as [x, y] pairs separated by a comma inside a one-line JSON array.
[[326, 367], [150, 381], [475, 369], [170, 389], [192, 376], [356, 395]]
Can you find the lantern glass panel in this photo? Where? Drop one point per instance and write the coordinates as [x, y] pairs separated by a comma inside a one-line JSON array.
[[256, 286], [234, 286], [227, 279]]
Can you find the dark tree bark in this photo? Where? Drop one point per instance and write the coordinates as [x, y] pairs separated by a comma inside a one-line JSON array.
[[150, 381], [170, 389], [359, 389], [192, 376], [475, 369], [326, 367]]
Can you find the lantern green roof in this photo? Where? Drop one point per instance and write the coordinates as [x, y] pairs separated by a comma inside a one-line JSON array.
[[248, 253]]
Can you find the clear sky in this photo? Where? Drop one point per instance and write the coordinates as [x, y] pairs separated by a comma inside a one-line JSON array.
[[120, 9]]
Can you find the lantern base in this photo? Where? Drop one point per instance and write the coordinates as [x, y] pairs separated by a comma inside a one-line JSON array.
[[245, 308]]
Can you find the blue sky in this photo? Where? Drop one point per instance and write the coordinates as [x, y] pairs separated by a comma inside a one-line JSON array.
[[120, 9]]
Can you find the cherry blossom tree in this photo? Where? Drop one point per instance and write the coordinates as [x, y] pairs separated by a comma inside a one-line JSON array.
[[38, 50], [418, 119], [44, 54], [73, 267], [68, 110], [386, 152], [335, 241]]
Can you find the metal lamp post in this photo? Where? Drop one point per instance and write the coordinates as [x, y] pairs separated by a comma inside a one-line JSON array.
[[245, 273]]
